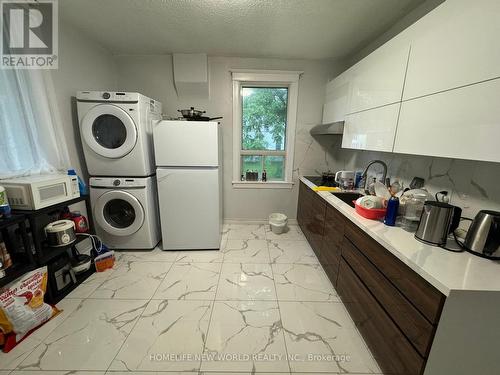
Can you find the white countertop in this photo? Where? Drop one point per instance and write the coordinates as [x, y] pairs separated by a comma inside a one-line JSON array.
[[443, 269]]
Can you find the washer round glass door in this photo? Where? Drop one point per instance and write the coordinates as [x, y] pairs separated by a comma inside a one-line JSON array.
[[119, 213], [109, 131]]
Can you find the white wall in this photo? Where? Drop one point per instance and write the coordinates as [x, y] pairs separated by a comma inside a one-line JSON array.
[[83, 65], [153, 76]]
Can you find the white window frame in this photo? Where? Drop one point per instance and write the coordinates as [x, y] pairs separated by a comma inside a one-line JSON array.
[[265, 78]]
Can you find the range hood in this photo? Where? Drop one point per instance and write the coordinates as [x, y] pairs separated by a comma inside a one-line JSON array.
[[331, 128]]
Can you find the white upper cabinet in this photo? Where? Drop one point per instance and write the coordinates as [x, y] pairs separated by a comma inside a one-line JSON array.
[[378, 79], [463, 123], [373, 129], [337, 98], [454, 45]]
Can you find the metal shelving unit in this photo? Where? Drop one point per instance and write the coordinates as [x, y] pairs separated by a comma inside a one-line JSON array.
[[24, 261], [45, 254]]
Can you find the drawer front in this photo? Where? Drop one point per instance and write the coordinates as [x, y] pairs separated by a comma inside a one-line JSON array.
[[427, 299], [411, 322], [393, 352]]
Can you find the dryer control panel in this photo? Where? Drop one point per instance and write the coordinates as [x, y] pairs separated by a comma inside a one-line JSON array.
[[111, 96]]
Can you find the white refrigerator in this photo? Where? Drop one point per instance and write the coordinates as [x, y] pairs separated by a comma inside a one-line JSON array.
[[188, 158]]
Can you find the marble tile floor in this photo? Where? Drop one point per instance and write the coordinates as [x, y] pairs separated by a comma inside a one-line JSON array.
[[260, 305]]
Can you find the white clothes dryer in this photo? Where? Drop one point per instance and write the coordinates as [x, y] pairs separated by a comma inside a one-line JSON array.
[[117, 132]]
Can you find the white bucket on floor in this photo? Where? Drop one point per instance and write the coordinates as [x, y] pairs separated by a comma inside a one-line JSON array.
[[278, 222]]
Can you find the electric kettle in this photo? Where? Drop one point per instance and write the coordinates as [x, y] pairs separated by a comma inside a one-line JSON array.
[[483, 236], [437, 220]]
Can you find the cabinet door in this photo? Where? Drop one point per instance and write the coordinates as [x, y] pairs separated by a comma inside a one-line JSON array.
[[371, 130], [316, 224], [454, 45], [332, 240], [302, 207], [337, 98], [378, 79], [462, 123]]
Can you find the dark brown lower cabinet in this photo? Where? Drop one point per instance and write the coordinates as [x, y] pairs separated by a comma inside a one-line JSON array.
[[410, 321], [311, 212], [427, 299], [332, 242], [394, 308], [391, 349]]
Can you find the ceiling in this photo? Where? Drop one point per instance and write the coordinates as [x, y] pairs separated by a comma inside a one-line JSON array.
[[311, 29]]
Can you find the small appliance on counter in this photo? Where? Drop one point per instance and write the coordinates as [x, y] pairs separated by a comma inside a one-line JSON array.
[[35, 192], [483, 236], [60, 233], [438, 219]]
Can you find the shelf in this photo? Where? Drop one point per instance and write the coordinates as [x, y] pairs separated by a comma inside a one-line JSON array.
[[54, 207], [15, 271], [49, 253], [12, 220]]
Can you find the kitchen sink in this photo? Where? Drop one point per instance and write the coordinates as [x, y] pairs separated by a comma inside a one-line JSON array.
[[347, 197]]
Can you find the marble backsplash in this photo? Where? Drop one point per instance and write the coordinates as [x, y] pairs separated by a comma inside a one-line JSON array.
[[472, 185]]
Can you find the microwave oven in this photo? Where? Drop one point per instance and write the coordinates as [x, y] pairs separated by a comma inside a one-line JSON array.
[[36, 192]]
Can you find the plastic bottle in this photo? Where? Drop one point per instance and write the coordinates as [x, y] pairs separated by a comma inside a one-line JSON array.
[[392, 211], [4, 203], [81, 185]]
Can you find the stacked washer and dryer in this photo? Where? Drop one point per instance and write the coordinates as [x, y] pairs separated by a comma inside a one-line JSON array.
[[117, 137]]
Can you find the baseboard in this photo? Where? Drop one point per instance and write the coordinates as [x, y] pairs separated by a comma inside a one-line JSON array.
[[255, 221]]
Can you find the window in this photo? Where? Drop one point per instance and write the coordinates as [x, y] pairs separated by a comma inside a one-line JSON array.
[[264, 115]]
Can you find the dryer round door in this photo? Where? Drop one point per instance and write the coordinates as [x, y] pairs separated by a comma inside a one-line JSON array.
[[119, 213], [109, 131]]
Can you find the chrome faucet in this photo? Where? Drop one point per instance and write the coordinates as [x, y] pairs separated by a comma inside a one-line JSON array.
[[365, 173]]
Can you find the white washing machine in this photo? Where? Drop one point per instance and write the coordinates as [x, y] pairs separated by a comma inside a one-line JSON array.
[[117, 132], [126, 211]]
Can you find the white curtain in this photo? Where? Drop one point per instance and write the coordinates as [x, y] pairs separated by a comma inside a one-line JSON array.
[[31, 135]]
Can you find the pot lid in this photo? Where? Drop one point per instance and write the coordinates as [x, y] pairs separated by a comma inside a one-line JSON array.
[[59, 225]]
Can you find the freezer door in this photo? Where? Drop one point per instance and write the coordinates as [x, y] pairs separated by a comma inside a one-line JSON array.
[[186, 144], [189, 208]]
